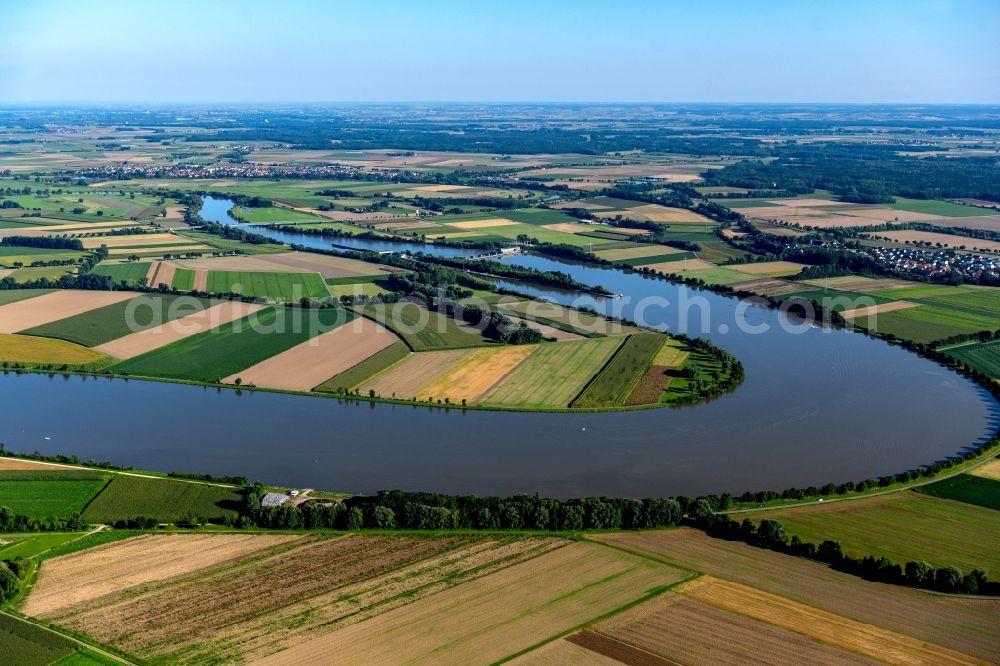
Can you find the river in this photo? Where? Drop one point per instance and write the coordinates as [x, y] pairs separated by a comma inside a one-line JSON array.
[[817, 406]]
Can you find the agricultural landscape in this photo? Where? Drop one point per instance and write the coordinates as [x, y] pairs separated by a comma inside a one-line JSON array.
[[583, 381]]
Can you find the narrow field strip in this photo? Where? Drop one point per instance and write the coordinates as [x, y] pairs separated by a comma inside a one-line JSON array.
[[56, 305], [478, 373]]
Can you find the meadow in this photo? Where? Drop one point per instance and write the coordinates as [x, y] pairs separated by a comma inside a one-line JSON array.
[[166, 500], [131, 273], [232, 347], [26, 644], [902, 526], [41, 494]]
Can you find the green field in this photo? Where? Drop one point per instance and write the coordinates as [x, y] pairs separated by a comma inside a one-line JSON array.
[[623, 372], [554, 375], [367, 368], [936, 207], [926, 323], [50, 493], [30, 544], [289, 287], [26, 644], [968, 489], [902, 526], [272, 214], [120, 319], [86, 657], [15, 295], [183, 279], [983, 356], [538, 216], [716, 275], [166, 500], [25, 256], [423, 329], [131, 273], [223, 351]]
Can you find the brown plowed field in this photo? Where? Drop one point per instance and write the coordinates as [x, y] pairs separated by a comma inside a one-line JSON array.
[[690, 632], [54, 306], [172, 331], [562, 652], [14, 464], [964, 625], [651, 386], [161, 272], [311, 363]]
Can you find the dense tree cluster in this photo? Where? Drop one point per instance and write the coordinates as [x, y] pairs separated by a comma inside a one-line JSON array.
[[16, 522], [45, 242], [13, 575]]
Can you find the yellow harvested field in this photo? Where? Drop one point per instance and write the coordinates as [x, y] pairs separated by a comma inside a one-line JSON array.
[[158, 251], [132, 240], [670, 355], [406, 378], [990, 470], [567, 227], [880, 308], [478, 373], [946, 240], [808, 203], [682, 266], [866, 639], [54, 306], [772, 268], [482, 224], [658, 213], [836, 222], [287, 262], [647, 250], [893, 215], [29, 349], [487, 619], [314, 361], [177, 329], [68, 580]]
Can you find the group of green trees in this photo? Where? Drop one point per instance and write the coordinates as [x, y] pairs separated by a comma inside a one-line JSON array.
[[13, 574], [16, 522], [44, 242]]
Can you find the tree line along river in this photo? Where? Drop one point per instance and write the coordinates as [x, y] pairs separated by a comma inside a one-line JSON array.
[[817, 406]]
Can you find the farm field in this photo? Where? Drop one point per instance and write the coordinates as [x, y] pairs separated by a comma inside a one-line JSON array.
[[53, 306], [131, 273], [968, 489], [990, 470], [309, 364], [568, 319], [616, 382], [501, 614], [15, 295], [984, 356], [31, 544], [235, 346], [111, 322], [26, 644], [366, 369], [288, 287], [309, 586], [553, 376], [685, 630], [287, 262], [32, 350], [49, 492], [477, 373], [902, 526], [213, 315], [951, 623], [407, 377], [166, 500], [423, 329]]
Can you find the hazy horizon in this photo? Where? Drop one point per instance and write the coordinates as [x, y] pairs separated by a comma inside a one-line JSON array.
[[782, 52]]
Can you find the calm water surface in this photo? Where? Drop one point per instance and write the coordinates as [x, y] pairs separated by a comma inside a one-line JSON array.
[[817, 406]]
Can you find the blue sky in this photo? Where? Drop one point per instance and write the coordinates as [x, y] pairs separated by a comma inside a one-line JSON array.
[[507, 50]]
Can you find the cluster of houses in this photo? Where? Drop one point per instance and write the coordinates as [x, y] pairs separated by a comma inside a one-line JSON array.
[[936, 263], [126, 170]]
